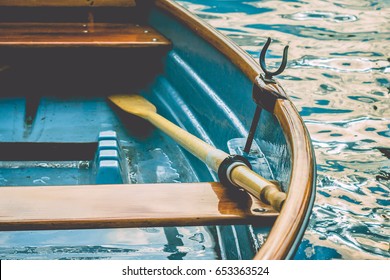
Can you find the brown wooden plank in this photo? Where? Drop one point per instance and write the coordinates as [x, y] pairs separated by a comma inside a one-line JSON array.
[[33, 34], [67, 3], [139, 205], [286, 228], [296, 206]]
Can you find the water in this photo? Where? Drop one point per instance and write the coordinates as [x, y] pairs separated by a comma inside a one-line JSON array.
[[338, 77]]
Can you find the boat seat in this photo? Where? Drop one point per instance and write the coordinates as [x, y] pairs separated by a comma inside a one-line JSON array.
[[79, 34], [128, 205], [76, 23]]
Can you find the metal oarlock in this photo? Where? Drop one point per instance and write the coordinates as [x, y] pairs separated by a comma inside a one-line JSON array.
[[252, 131], [267, 74], [268, 79], [227, 166]]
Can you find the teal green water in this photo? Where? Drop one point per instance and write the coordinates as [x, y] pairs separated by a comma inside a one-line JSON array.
[[338, 77]]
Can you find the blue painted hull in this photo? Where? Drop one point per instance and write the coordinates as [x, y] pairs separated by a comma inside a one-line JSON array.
[[194, 86]]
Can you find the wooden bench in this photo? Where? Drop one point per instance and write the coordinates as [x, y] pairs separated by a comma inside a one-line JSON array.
[[76, 23], [139, 205], [79, 34]]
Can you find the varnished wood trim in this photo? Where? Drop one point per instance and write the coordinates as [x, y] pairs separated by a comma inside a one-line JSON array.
[[293, 214], [140, 205], [294, 211], [241, 176], [67, 3], [82, 34], [226, 46]]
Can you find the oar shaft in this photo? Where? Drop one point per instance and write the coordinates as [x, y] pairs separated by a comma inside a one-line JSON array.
[[240, 175], [203, 151], [231, 169]]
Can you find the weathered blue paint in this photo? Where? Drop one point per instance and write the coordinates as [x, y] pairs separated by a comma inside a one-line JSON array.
[[198, 88], [201, 86]]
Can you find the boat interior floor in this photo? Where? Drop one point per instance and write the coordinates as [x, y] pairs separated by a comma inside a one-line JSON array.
[[58, 128]]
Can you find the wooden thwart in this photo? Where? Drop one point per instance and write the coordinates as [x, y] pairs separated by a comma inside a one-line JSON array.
[[79, 34], [139, 205]]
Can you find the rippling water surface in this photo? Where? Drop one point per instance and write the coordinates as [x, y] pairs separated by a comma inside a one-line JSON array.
[[338, 76]]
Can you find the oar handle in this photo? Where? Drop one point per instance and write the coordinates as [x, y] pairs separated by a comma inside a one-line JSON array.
[[240, 175], [258, 186]]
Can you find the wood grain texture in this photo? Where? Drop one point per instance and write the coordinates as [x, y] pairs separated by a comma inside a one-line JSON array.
[[87, 34], [225, 45], [285, 231], [140, 205], [240, 175], [294, 211], [67, 3]]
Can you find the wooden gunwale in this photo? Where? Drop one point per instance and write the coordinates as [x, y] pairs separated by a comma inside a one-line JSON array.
[[286, 228], [232, 51], [293, 213]]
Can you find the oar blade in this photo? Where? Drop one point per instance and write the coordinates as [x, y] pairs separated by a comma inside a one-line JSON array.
[[133, 104]]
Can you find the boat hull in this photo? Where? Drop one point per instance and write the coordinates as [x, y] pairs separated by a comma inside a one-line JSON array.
[[203, 83]]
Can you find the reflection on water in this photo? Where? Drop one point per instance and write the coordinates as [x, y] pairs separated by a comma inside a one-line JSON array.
[[338, 77]]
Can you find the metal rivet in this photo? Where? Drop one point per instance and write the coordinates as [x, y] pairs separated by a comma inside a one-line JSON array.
[[259, 210], [154, 40], [146, 31]]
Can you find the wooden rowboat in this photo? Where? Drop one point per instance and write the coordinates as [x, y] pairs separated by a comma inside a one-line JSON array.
[[83, 87]]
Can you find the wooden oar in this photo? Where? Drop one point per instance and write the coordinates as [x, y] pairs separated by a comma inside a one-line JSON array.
[[240, 175]]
